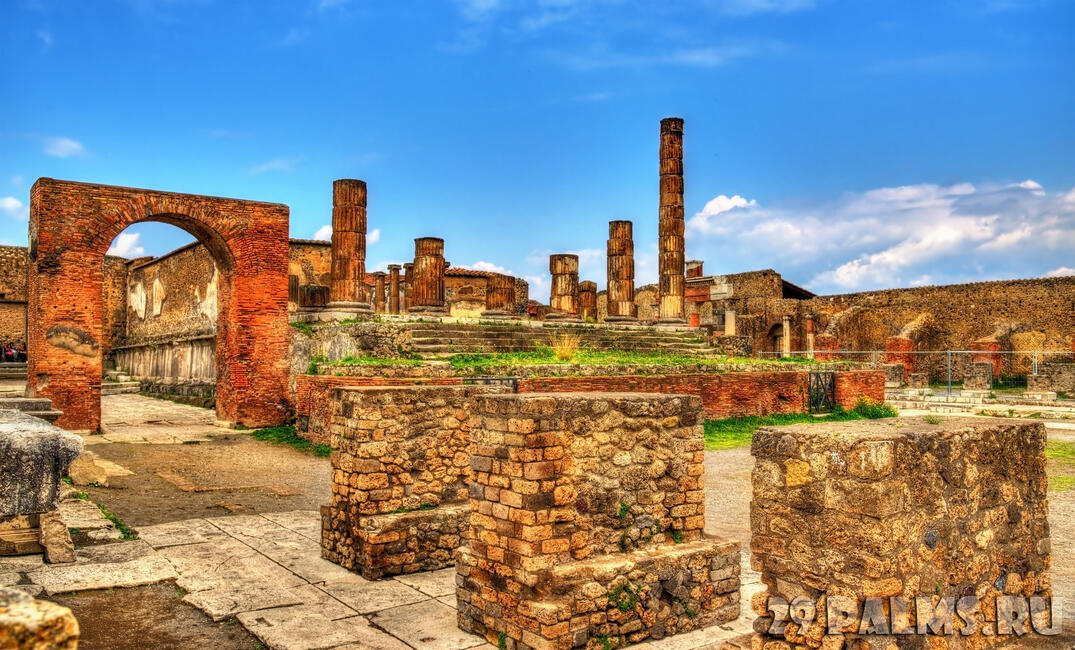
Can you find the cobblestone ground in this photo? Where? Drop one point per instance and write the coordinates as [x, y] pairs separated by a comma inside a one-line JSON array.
[[261, 569]]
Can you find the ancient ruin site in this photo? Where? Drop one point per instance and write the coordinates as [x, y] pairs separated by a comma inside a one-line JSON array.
[[471, 373]]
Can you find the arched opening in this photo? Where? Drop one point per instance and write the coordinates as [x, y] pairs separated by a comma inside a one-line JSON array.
[[72, 226], [775, 339], [161, 305]]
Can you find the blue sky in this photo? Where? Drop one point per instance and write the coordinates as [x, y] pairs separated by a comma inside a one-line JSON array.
[[849, 145]]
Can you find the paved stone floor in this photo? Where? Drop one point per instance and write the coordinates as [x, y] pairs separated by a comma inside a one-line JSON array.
[[266, 571]]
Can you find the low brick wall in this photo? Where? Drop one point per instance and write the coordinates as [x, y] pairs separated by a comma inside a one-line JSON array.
[[726, 395], [586, 518], [188, 391], [897, 508], [399, 477]]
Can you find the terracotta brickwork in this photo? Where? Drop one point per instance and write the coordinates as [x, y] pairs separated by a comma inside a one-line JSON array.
[[71, 227], [904, 508], [986, 350], [399, 477], [586, 518], [900, 350]]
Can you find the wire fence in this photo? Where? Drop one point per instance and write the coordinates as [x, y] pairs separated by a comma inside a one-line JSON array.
[[950, 370]]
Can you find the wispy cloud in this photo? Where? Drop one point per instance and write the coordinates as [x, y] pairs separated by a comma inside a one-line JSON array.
[[324, 233], [45, 37], [893, 236], [14, 208], [709, 56], [373, 236], [747, 7], [1060, 272], [63, 147], [17, 180], [126, 245], [936, 63], [276, 165]]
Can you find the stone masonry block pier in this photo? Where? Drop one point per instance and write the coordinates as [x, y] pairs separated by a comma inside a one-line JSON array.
[[586, 518], [853, 513], [399, 477]]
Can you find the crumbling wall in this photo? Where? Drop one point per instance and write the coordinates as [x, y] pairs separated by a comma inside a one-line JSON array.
[[399, 477], [13, 296], [309, 263], [586, 518], [896, 508]]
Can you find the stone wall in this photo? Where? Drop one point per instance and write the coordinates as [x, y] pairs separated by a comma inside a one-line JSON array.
[[399, 477], [174, 295], [309, 263], [586, 519], [897, 507], [1055, 377], [13, 295]]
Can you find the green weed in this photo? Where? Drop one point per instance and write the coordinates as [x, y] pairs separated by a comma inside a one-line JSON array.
[[286, 435], [305, 328]]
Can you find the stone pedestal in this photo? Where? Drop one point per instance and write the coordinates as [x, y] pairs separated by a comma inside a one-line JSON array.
[[393, 288], [586, 518], [499, 296], [621, 273], [564, 292], [425, 288], [671, 243], [348, 290], [852, 515]]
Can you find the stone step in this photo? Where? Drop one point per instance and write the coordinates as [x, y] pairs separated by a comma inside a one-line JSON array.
[[119, 387], [26, 403], [50, 415], [13, 374]]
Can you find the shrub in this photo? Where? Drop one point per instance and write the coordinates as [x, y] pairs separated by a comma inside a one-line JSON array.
[[565, 346], [874, 410]]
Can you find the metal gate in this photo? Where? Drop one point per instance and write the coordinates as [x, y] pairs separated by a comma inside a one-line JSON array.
[[822, 396]]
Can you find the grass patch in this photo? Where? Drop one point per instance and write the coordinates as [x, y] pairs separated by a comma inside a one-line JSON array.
[[424, 506], [286, 435], [544, 355], [1061, 452], [316, 359], [305, 328], [1061, 483], [375, 361], [731, 433], [127, 533]]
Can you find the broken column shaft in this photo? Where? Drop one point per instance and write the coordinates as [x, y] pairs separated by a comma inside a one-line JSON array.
[[378, 292], [588, 301], [425, 291], [408, 277], [564, 294], [348, 291], [671, 224], [499, 296], [393, 288], [621, 273]]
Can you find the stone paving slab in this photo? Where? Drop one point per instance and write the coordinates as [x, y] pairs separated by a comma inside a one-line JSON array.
[[88, 518], [431, 583], [103, 575], [328, 606], [179, 533], [304, 522], [296, 628], [366, 596], [222, 563], [240, 597], [428, 625]]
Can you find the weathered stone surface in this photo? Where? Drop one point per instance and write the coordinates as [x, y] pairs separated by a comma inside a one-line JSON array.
[[85, 471], [33, 457], [56, 538], [428, 624], [29, 624], [431, 583], [179, 533], [228, 600], [101, 567], [365, 596]]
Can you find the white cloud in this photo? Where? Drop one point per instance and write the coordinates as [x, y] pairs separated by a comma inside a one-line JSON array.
[[276, 165], [324, 233], [126, 245], [892, 236], [14, 208], [45, 37], [373, 236], [63, 147], [745, 7], [1060, 272], [482, 265]]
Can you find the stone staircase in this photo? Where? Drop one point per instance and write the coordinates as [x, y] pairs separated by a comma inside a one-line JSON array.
[[117, 383], [13, 370], [940, 402], [443, 339], [39, 407]]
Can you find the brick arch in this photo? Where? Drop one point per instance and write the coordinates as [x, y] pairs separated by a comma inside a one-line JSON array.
[[71, 227]]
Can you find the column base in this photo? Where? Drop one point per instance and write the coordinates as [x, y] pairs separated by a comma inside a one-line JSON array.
[[340, 310], [428, 310], [560, 317], [671, 322], [621, 320], [496, 314]]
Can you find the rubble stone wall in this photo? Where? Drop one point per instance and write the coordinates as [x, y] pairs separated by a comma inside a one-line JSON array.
[[586, 519], [898, 507], [1056, 377], [399, 477]]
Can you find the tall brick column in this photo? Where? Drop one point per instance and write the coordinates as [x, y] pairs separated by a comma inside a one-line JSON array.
[[408, 278], [671, 224], [427, 277], [378, 292], [348, 289], [621, 273], [900, 349], [588, 300], [499, 296], [564, 294], [393, 288]]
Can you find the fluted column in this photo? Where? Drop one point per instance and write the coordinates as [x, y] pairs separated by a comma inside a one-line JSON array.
[[378, 292], [408, 278], [427, 276], [564, 294], [671, 224], [621, 273], [588, 301], [499, 296], [393, 288], [348, 290]]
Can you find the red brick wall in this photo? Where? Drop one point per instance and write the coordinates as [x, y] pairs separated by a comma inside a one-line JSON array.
[[986, 350], [71, 227], [898, 349], [853, 384]]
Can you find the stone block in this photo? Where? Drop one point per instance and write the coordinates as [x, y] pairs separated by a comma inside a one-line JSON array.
[[30, 624], [34, 455]]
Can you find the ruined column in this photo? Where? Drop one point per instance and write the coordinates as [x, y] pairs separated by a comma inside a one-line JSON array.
[[408, 278], [671, 224], [729, 322], [564, 293], [588, 301], [348, 291], [426, 289], [810, 337], [378, 292], [785, 337], [499, 296], [393, 288], [621, 273]]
